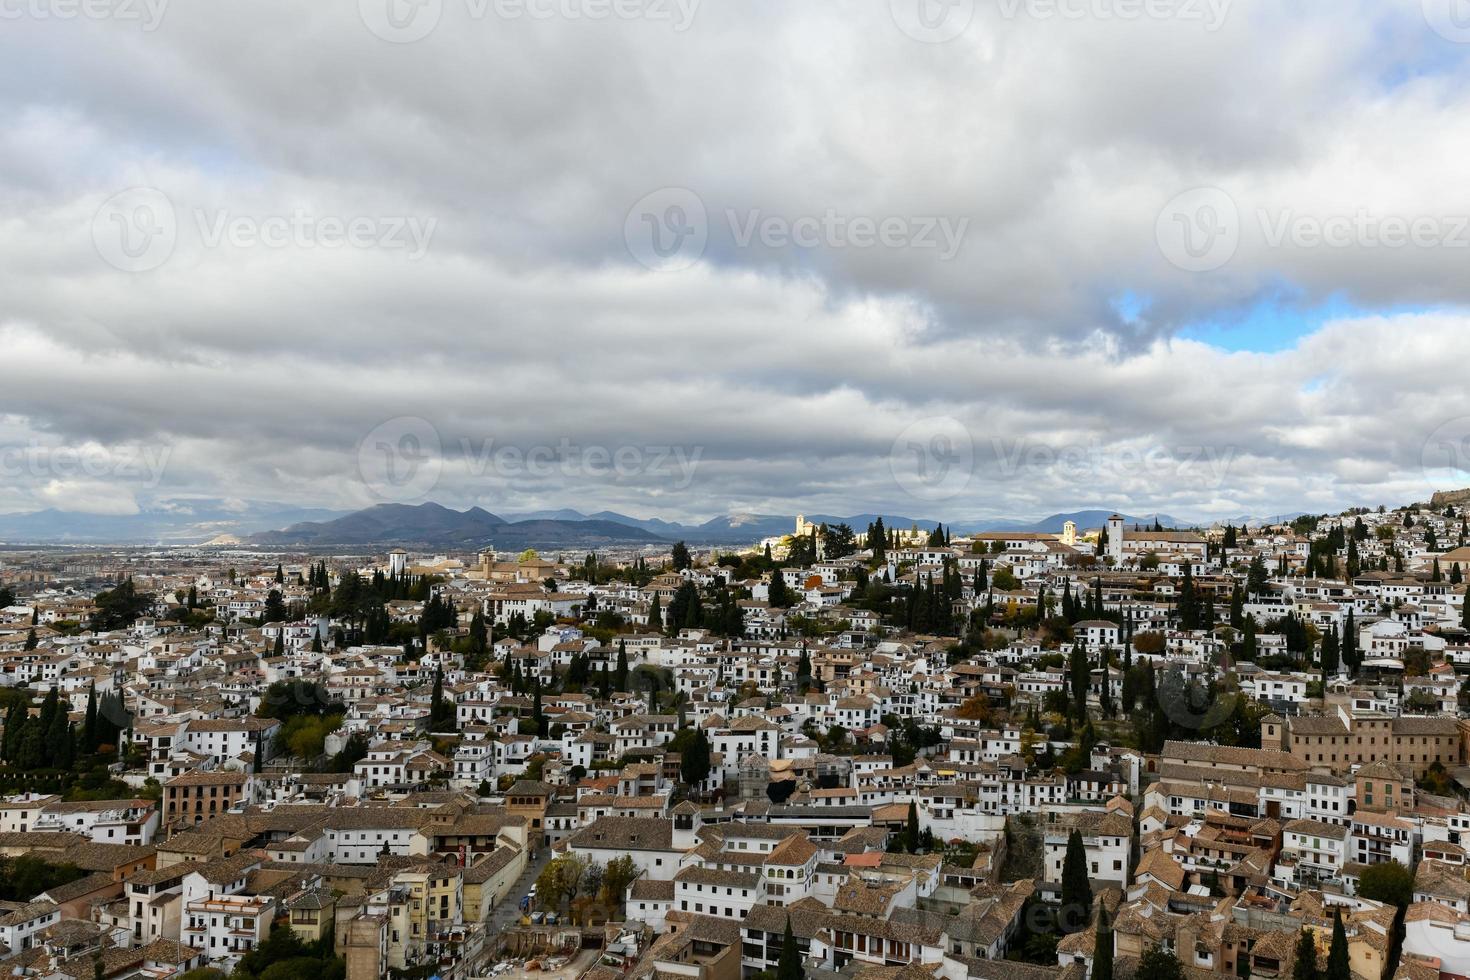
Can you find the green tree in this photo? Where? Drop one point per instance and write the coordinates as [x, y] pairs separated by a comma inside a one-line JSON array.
[[89, 725], [120, 607], [680, 556], [1076, 886], [685, 609], [839, 541], [694, 761], [778, 594], [1338, 967], [1388, 881], [1159, 964], [1305, 966], [441, 709], [1102, 949], [788, 967], [620, 872], [911, 829]]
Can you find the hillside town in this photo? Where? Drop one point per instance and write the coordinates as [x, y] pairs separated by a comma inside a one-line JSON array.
[[872, 753]]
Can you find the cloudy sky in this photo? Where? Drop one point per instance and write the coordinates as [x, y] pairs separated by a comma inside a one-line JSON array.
[[680, 258]]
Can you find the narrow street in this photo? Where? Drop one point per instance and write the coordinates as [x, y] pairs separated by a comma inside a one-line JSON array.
[[508, 911]]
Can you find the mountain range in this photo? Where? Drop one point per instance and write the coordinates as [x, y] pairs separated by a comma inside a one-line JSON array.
[[437, 526], [433, 525]]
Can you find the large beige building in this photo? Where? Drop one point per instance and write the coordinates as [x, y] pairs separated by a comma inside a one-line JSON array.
[[1337, 741]]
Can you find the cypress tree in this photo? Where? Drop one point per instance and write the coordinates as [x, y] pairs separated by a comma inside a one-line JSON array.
[[694, 763], [788, 967], [1076, 886], [778, 594], [911, 829], [15, 723], [1305, 967], [89, 726], [1102, 949], [436, 702], [1349, 644], [1337, 957]]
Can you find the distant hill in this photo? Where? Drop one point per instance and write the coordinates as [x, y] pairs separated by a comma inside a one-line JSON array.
[[437, 526], [1084, 519], [1449, 498], [183, 522]]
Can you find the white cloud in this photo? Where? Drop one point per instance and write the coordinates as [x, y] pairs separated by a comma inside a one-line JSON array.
[[88, 497]]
